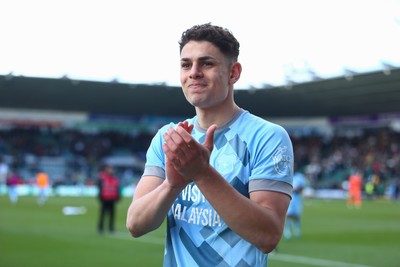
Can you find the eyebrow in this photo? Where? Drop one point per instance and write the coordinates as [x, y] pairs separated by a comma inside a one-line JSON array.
[[200, 58]]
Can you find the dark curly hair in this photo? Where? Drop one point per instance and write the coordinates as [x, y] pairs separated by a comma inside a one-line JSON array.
[[220, 37]]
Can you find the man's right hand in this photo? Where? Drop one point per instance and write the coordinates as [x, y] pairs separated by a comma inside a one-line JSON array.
[[175, 179]]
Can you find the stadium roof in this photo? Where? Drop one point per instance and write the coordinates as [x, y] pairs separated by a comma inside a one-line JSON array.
[[355, 94]]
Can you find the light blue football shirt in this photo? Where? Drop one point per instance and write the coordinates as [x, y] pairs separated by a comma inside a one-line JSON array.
[[251, 154]]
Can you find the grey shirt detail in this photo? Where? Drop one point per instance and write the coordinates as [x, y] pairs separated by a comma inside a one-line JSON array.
[[270, 185]]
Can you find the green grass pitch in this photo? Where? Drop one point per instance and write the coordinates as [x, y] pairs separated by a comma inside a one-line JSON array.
[[333, 236]]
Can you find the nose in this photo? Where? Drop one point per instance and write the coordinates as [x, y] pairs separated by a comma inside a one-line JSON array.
[[195, 72]]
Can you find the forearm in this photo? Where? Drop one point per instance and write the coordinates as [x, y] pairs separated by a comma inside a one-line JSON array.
[[148, 211], [258, 224]]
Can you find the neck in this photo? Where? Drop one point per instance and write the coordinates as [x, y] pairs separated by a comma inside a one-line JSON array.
[[216, 115]]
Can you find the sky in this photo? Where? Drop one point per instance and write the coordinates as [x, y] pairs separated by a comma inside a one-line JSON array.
[[137, 41]]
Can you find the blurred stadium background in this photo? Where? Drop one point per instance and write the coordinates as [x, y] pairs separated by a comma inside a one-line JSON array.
[[68, 128]]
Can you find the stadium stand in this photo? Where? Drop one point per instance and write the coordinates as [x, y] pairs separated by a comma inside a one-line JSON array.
[[68, 128], [365, 94]]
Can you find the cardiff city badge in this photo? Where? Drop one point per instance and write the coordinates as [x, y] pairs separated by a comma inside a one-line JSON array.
[[282, 161]]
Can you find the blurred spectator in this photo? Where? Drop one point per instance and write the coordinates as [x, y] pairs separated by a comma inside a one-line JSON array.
[[109, 195], [13, 181], [295, 210], [394, 189], [355, 190], [369, 189], [4, 169], [42, 181]]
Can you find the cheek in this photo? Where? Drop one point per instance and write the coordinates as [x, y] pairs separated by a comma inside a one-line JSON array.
[[182, 77], [220, 91], [222, 82], [222, 77]]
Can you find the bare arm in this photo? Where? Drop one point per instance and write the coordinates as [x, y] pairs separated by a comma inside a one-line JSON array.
[[154, 197], [150, 204], [259, 220]]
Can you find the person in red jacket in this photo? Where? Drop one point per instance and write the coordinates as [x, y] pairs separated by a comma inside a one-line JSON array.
[[109, 194]]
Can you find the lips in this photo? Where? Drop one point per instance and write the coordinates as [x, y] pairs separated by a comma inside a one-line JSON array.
[[196, 85]]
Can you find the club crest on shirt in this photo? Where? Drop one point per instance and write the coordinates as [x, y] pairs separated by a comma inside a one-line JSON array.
[[225, 163], [282, 160]]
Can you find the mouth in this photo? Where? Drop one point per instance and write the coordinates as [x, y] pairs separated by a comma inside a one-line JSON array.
[[196, 86]]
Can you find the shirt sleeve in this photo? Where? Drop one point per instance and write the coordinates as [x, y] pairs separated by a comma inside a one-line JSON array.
[[155, 158]]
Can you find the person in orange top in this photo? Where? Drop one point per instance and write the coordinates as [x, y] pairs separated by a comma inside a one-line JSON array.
[[355, 193], [42, 181]]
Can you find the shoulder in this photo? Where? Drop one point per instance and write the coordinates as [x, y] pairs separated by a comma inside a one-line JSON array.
[[256, 126]]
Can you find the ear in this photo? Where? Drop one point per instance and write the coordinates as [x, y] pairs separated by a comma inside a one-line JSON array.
[[236, 70]]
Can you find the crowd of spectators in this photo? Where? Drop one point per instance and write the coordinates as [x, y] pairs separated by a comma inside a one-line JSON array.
[[327, 161], [69, 155]]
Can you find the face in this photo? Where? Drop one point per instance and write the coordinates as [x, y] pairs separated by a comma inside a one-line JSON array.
[[205, 75], [109, 169]]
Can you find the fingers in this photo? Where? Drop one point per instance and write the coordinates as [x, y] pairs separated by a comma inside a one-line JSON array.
[[185, 125], [180, 136], [175, 146], [180, 142], [209, 142], [185, 155]]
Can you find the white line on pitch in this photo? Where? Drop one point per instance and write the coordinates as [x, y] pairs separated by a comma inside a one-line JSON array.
[[313, 261], [273, 256]]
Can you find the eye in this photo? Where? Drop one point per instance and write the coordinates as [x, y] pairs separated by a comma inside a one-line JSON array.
[[207, 64], [185, 65]]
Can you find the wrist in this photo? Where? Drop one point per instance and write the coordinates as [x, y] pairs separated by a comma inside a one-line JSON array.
[[174, 188], [208, 174]]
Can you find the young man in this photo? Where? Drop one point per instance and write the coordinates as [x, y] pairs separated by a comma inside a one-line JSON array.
[[223, 179]]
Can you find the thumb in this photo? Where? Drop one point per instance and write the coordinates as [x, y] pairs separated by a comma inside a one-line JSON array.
[[209, 142]]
